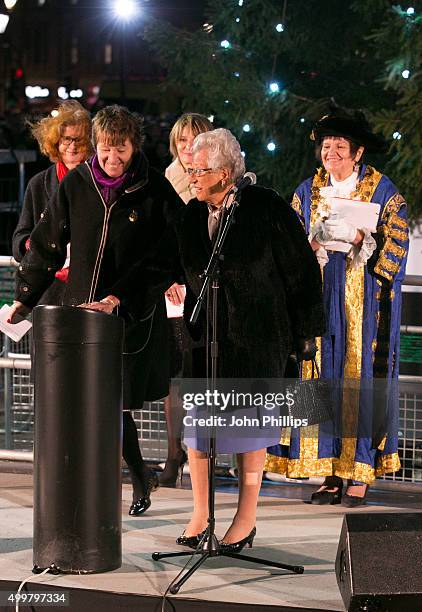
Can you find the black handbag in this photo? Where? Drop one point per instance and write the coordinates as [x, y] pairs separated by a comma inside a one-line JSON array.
[[313, 399]]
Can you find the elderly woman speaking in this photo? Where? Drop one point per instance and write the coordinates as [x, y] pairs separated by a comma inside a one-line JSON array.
[[269, 303]]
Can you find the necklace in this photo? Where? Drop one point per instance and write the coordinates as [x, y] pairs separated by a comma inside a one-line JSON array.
[[364, 191]]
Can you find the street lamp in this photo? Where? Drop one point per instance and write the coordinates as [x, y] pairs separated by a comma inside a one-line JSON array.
[[124, 10]]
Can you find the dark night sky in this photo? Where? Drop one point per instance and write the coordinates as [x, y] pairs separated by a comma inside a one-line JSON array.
[[182, 13]]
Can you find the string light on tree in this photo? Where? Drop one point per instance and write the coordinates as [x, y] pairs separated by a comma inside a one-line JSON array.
[[271, 146], [274, 87], [237, 19], [243, 153], [396, 135], [405, 74], [279, 27], [246, 127], [236, 74], [240, 2], [410, 10], [225, 44], [302, 119]]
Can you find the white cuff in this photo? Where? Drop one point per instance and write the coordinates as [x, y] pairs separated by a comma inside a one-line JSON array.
[[322, 256], [360, 254]]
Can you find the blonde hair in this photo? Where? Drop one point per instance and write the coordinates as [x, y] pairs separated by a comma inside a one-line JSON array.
[[195, 122], [48, 131]]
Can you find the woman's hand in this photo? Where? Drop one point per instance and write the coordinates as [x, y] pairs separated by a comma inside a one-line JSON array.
[[107, 304], [18, 312], [176, 294]]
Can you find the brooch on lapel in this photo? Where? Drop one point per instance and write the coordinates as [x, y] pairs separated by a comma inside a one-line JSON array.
[[133, 216]]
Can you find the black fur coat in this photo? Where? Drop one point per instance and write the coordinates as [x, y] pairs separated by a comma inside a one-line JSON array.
[[270, 282]]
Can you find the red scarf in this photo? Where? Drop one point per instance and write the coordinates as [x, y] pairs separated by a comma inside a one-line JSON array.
[[61, 170]]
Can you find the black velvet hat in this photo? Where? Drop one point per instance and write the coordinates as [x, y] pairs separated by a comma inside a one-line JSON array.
[[353, 127]]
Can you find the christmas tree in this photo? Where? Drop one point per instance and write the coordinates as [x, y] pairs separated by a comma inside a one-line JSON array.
[[269, 69]]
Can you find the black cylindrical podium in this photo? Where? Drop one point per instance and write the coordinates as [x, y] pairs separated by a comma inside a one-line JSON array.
[[77, 441]]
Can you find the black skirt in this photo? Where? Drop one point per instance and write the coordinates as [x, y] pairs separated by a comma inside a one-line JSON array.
[[146, 374]]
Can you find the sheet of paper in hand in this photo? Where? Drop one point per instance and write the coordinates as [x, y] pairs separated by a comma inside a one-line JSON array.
[[358, 213], [15, 331]]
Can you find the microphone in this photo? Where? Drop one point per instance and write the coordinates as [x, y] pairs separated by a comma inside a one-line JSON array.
[[247, 179]]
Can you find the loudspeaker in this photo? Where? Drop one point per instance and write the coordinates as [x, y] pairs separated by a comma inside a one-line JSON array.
[[379, 562]]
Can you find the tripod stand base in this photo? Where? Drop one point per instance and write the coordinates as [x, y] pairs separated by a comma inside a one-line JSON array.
[[206, 554]]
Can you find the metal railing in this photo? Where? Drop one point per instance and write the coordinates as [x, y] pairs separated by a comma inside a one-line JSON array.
[[16, 413]]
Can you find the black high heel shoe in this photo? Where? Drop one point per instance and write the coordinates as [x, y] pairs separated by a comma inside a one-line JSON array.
[[353, 501], [236, 547], [190, 541], [142, 504], [323, 497], [172, 474]]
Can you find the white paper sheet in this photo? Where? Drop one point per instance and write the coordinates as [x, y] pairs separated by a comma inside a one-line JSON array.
[[15, 331], [360, 214], [174, 312]]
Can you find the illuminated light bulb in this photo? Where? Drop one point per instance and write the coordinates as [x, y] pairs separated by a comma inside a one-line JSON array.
[[271, 146], [410, 10], [274, 87], [225, 44], [396, 135], [405, 74], [124, 9], [279, 27], [246, 127]]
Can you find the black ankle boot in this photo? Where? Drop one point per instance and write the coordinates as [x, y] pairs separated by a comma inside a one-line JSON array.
[[142, 504]]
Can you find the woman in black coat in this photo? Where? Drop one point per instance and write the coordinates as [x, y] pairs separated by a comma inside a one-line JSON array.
[[113, 210], [64, 137]]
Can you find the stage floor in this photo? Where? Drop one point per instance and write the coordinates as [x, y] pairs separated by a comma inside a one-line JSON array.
[[288, 530]]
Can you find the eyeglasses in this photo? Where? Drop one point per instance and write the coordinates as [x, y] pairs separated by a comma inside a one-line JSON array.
[[67, 140], [199, 171]]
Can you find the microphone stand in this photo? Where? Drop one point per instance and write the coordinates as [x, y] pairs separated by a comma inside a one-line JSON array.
[[209, 545]]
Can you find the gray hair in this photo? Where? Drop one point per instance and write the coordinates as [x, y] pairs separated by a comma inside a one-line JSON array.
[[223, 151]]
